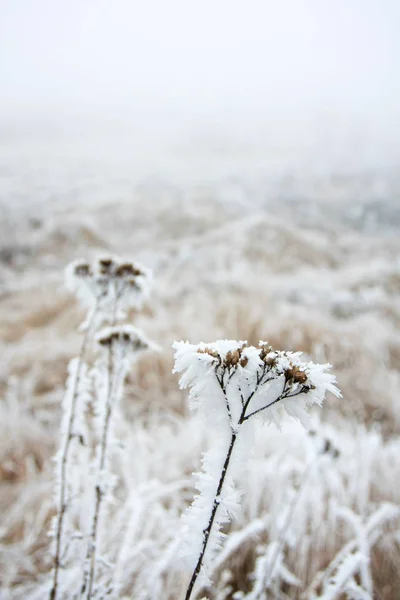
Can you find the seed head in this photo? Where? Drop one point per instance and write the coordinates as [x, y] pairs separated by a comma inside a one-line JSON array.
[[210, 352], [295, 375], [232, 358], [106, 266], [128, 270], [243, 361], [82, 270], [127, 336]]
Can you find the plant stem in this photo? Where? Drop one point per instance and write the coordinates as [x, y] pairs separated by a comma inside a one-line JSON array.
[[91, 553], [216, 503], [235, 432], [65, 455]]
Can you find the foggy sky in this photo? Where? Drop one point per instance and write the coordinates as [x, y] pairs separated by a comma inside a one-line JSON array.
[[254, 63]]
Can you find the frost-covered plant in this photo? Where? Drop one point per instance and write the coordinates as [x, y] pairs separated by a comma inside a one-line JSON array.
[[270, 570], [109, 285], [120, 345], [107, 288], [232, 383], [348, 575]]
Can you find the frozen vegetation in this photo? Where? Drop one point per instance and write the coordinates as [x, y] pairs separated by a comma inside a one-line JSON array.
[[308, 260]]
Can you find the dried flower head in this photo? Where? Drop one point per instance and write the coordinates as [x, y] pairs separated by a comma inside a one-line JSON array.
[[82, 269], [295, 375], [210, 352], [127, 337], [105, 266], [109, 283], [264, 378], [128, 270]]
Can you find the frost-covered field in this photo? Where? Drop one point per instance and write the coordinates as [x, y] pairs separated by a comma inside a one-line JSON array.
[[306, 260]]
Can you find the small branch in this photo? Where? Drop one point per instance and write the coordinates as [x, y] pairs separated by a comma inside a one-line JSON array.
[[255, 412], [223, 388], [284, 395]]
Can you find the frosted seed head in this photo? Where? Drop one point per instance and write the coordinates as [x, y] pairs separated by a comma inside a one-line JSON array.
[[82, 269], [243, 361], [210, 352], [295, 375], [126, 336], [108, 281], [252, 369], [265, 349], [234, 357], [106, 266], [128, 270]]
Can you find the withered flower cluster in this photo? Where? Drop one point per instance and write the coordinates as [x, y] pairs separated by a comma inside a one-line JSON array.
[[270, 362], [126, 336], [231, 360], [108, 280]]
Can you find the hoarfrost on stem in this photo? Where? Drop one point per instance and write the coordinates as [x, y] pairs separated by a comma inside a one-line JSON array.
[[231, 382], [108, 287], [120, 345]]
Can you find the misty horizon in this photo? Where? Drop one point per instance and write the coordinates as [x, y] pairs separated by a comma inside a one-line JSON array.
[[221, 77]]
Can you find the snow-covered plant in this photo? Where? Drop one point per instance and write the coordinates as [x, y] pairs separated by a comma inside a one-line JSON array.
[[109, 285], [119, 345], [107, 288], [348, 575], [270, 570], [231, 384]]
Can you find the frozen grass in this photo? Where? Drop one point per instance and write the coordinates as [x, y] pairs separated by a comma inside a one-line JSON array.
[[222, 270]]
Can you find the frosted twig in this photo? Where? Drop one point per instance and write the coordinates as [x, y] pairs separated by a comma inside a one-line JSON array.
[[120, 342], [69, 434], [102, 286], [91, 551]]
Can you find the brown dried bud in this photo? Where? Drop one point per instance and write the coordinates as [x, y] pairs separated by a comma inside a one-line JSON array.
[[270, 361], [265, 349], [295, 375], [127, 270], [105, 266], [83, 270], [210, 352], [232, 358], [107, 340], [243, 361], [123, 337]]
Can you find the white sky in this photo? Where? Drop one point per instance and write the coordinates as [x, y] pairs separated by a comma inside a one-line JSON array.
[[203, 61]]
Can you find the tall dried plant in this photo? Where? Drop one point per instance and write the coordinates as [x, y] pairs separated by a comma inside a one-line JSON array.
[[231, 384], [108, 288]]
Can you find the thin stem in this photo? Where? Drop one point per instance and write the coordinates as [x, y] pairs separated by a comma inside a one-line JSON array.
[[65, 455], [255, 412], [208, 529], [284, 395], [223, 388], [91, 552], [217, 498]]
